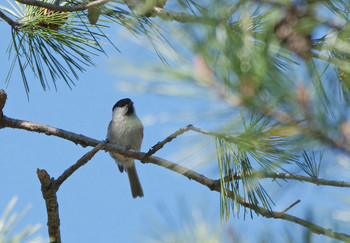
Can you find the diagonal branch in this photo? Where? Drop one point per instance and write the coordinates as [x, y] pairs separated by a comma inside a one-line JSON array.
[[82, 161]]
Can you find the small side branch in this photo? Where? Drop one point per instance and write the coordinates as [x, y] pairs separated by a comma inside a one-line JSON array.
[[292, 205], [161, 144], [179, 132], [82, 161], [49, 195]]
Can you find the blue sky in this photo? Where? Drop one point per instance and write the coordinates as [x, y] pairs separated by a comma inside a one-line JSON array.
[[95, 202]]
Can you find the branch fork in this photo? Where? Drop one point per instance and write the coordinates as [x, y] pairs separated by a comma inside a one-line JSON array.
[[49, 188]]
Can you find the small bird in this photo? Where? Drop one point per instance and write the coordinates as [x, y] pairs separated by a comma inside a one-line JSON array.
[[126, 130]]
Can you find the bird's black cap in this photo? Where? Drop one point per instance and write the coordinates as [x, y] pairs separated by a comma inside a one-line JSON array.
[[125, 102]]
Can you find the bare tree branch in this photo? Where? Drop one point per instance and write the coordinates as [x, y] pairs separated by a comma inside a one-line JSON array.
[[86, 141], [50, 197]]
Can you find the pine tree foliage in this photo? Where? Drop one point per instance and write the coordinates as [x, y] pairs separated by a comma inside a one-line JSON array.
[[58, 45], [256, 149], [283, 64]]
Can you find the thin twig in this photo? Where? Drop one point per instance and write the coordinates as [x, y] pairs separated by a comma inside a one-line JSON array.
[[161, 144], [14, 24], [292, 205], [50, 197], [82, 161]]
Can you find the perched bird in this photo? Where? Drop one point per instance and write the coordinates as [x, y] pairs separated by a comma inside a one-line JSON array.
[[126, 130]]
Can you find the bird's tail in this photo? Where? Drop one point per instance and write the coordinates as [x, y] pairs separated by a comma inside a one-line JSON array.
[[135, 184]]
